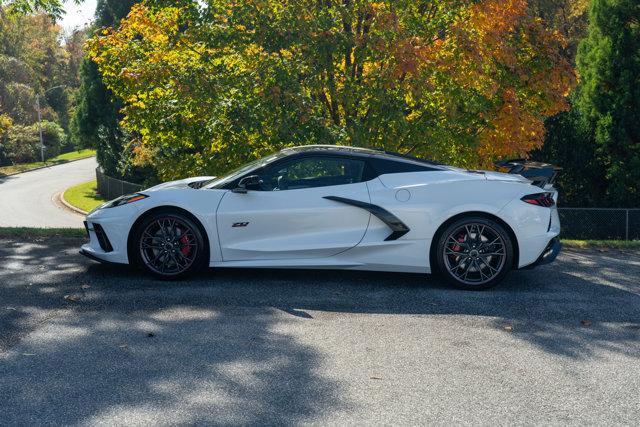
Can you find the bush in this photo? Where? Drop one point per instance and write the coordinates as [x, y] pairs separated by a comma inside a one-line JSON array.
[[23, 142], [5, 125]]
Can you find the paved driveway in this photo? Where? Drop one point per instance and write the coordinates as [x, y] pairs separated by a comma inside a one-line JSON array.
[[28, 199], [560, 344]]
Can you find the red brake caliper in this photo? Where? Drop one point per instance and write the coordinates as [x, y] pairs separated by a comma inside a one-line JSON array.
[[456, 248], [186, 249]]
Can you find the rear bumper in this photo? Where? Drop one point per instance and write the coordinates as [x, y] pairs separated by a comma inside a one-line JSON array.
[[549, 254]]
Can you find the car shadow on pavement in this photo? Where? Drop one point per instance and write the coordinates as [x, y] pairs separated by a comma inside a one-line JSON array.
[[97, 353], [215, 348]]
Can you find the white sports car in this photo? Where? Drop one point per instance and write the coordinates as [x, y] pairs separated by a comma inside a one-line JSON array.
[[340, 208]]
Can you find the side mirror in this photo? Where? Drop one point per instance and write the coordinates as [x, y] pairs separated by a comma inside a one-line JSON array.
[[251, 182]]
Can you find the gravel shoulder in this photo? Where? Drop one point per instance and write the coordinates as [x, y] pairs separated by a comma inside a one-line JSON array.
[[559, 344]]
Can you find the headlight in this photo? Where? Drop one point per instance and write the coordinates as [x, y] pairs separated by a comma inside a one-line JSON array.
[[122, 200]]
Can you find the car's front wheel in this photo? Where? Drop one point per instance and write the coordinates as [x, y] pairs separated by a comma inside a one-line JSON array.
[[474, 253], [169, 245]]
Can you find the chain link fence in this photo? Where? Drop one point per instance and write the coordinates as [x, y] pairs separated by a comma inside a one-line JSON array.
[[600, 223], [110, 188]]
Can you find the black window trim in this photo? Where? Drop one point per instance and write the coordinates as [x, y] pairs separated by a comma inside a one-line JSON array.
[[369, 173], [285, 162]]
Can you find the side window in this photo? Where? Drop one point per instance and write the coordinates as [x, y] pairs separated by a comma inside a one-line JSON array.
[[310, 172]]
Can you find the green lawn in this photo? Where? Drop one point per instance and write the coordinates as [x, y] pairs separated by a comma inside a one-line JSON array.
[[602, 244], [84, 196], [62, 158]]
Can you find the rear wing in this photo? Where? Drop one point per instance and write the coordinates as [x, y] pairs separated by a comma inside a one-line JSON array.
[[540, 173]]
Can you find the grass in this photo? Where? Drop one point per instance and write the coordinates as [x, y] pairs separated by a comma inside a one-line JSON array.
[[27, 232], [84, 196], [62, 158], [602, 244]]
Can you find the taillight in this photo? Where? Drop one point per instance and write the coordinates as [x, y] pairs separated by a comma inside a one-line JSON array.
[[540, 199]]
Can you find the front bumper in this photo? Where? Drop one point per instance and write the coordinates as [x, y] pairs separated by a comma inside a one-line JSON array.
[[94, 257], [549, 254], [107, 241]]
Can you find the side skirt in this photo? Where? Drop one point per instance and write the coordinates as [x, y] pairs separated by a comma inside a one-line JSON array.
[[317, 265]]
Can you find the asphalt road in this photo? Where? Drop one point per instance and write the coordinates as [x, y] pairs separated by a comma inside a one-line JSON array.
[[28, 199], [556, 345]]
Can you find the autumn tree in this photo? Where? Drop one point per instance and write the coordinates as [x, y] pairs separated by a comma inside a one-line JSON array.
[[568, 17], [209, 85], [33, 62]]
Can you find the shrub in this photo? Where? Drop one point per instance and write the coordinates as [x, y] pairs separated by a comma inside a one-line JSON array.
[[5, 125], [23, 142]]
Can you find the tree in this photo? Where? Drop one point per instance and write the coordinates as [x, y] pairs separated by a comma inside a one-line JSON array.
[[74, 48], [209, 87], [609, 94], [27, 7], [568, 17], [570, 144], [96, 119], [33, 61]]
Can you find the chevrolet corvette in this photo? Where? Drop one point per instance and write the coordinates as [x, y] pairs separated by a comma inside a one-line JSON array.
[[339, 208]]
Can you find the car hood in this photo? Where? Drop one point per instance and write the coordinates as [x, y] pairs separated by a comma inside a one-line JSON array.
[[181, 183]]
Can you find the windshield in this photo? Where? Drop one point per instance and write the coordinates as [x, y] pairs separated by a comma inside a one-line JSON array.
[[243, 170]]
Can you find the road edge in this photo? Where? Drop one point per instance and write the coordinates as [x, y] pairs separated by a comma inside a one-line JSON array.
[[69, 206]]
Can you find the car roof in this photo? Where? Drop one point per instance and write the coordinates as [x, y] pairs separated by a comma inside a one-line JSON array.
[[356, 151]]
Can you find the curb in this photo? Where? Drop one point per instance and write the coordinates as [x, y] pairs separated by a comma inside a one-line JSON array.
[[69, 205], [45, 166]]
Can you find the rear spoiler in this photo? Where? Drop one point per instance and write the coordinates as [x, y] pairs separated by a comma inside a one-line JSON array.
[[540, 173]]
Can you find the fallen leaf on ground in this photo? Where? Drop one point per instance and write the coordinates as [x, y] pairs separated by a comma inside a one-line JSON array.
[[85, 286], [585, 322], [508, 328], [72, 298]]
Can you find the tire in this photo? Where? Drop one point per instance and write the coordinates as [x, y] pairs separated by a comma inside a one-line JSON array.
[[474, 253], [169, 245]]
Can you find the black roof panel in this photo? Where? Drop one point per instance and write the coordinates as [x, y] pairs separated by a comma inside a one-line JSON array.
[[359, 151]]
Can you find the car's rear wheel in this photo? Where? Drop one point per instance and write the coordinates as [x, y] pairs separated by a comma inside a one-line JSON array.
[[169, 245], [474, 253]]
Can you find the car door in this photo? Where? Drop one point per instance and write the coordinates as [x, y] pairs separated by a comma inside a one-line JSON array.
[[289, 217]]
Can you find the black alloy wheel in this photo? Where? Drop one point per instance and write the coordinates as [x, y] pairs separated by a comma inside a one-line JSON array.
[[474, 253], [170, 246]]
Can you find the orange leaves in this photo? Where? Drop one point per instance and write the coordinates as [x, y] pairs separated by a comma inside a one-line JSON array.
[[407, 56], [512, 131], [499, 52]]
